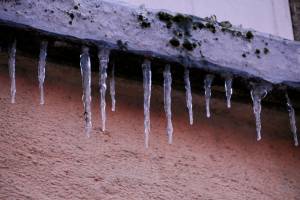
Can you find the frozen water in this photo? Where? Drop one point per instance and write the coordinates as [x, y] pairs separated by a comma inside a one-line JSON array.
[[258, 92], [147, 96], [167, 101], [12, 70], [228, 90], [188, 94], [41, 69], [112, 88], [85, 66], [103, 56], [207, 87], [292, 118]]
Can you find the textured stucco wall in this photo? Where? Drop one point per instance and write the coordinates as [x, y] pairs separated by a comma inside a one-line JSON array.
[[295, 11], [269, 16]]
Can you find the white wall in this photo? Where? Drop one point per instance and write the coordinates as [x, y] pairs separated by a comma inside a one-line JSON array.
[[269, 16]]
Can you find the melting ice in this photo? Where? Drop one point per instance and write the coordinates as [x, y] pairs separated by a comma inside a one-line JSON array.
[[207, 87], [147, 96], [258, 92], [292, 118], [12, 70], [228, 90], [85, 66], [167, 101], [188, 94], [103, 56], [112, 88], [41, 69]]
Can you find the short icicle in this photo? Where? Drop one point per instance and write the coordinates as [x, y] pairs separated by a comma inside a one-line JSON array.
[[113, 89], [228, 90], [167, 101], [12, 70], [41, 69], [188, 94], [292, 118], [103, 56], [147, 96], [207, 88], [85, 66], [258, 92]]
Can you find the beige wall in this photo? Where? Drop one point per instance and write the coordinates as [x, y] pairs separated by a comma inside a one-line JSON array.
[[269, 16]]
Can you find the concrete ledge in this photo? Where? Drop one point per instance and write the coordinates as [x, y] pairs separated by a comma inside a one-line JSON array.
[[118, 26]]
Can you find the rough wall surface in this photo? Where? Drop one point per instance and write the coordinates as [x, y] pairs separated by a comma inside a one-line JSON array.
[[295, 11], [44, 154]]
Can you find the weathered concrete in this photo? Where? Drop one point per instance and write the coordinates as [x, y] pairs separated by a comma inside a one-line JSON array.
[[265, 56]]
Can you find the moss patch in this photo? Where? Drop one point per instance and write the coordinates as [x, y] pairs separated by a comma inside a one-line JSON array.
[[188, 45], [249, 35], [174, 42]]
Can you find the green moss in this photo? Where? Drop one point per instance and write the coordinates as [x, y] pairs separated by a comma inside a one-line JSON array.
[[165, 17], [144, 23], [189, 45], [249, 35], [226, 24], [174, 42], [169, 24], [266, 50], [211, 27], [198, 25]]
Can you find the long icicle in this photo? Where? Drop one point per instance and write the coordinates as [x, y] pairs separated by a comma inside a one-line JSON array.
[[85, 66], [103, 56], [188, 94], [147, 96], [258, 92], [12, 70], [228, 90], [207, 87], [41, 69], [113, 88], [167, 101], [292, 118]]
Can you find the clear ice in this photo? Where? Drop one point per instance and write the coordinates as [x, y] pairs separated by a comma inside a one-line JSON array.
[[258, 92], [113, 89], [188, 94], [146, 66], [228, 90], [167, 101], [41, 69], [207, 87], [103, 56], [12, 70], [292, 118], [85, 66]]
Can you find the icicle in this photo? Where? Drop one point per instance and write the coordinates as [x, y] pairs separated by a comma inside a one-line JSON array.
[[12, 70], [207, 87], [167, 101], [258, 92], [292, 118], [85, 66], [41, 69], [228, 90], [147, 96], [112, 88], [103, 56], [188, 94]]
